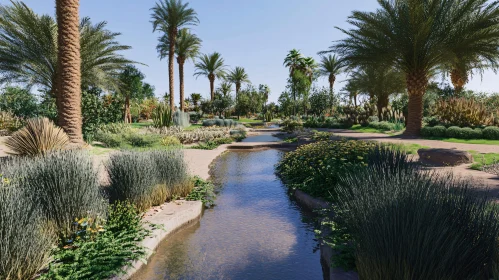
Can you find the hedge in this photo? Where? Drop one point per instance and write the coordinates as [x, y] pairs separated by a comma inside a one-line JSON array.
[[491, 132]]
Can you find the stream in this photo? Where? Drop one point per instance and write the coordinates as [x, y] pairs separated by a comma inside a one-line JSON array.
[[254, 232]]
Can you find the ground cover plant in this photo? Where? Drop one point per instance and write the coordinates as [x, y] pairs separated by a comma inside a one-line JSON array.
[[314, 168]]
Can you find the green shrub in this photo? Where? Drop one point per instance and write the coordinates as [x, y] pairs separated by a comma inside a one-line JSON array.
[[467, 133], [142, 140], [314, 168], [220, 122], [114, 247], [491, 133], [291, 124], [25, 241], [477, 133], [63, 184], [162, 116], [406, 221], [181, 119], [213, 144], [39, 137], [386, 126], [115, 128], [203, 191], [9, 122], [453, 132], [208, 122], [463, 112], [109, 139], [170, 141], [439, 131], [322, 136]]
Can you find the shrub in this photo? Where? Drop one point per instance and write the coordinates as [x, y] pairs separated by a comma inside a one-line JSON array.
[[417, 223], [314, 168], [104, 256], [142, 140], [109, 139], [439, 131], [38, 137], [145, 178], [25, 241], [9, 122], [162, 116], [491, 133], [203, 191], [291, 124], [386, 126], [431, 121], [170, 141], [220, 122], [467, 133], [463, 112], [453, 132], [213, 144], [322, 136], [63, 184], [115, 128]]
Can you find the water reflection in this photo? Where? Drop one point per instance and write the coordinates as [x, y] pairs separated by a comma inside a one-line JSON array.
[[262, 137], [254, 232]]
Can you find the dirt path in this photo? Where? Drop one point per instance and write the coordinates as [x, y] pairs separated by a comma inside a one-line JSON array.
[[423, 142]]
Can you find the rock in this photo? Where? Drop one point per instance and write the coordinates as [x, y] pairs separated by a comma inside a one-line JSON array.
[[444, 157]]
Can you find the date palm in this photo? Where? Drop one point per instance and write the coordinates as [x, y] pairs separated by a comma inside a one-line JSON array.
[[32, 60], [211, 66], [168, 17], [293, 61], [308, 67], [69, 69], [196, 99], [186, 47], [416, 37], [225, 89], [330, 66], [238, 76]]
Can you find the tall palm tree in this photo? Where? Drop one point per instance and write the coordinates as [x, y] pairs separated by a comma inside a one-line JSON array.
[[308, 67], [293, 61], [416, 37], [32, 60], [238, 76], [168, 17], [330, 66], [196, 98], [69, 69], [187, 47], [225, 89], [211, 66]]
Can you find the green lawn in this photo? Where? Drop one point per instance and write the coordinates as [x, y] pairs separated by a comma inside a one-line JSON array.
[[193, 127], [245, 120], [466, 141], [411, 149], [480, 159], [366, 129], [141, 125]]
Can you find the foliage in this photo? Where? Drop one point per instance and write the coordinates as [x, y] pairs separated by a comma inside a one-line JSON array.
[[64, 185], [25, 241], [198, 135], [9, 122], [291, 124], [220, 123], [211, 66], [109, 139], [38, 137], [314, 168], [436, 131], [463, 112], [203, 191], [141, 140], [162, 116], [114, 247], [115, 128], [213, 144], [19, 101], [145, 178], [290, 140], [321, 101], [417, 223], [181, 119], [35, 62], [169, 141], [455, 132], [491, 132]]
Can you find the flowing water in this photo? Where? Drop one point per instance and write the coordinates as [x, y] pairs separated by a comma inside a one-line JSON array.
[[262, 137], [254, 232]]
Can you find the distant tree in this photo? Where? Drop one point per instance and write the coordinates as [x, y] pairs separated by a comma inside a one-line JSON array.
[[224, 89], [211, 66], [168, 17], [330, 66], [19, 101], [321, 101], [132, 87]]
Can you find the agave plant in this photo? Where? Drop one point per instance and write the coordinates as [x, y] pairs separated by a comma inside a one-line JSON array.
[[162, 116], [38, 137]]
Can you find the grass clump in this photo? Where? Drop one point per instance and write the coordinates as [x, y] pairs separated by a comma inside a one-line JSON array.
[[100, 251], [213, 144], [38, 137], [170, 141], [203, 191], [407, 223]]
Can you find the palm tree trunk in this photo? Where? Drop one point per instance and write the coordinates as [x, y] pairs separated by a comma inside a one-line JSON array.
[[459, 79], [380, 104], [181, 80], [238, 88], [171, 74], [332, 78], [128, 115], [69, 69], [212, 87], [416, 87]]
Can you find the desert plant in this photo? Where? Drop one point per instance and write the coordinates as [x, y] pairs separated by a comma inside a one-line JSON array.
[[491, 132], [109, 139], [162, 116], [38, 137], [25, 241], [115, 128], [9, 122], [63, 184], [181, 119], [406, 223], [141, 140], [463, 112], [170, 141]]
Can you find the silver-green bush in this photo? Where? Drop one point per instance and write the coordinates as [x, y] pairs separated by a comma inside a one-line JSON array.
[[181, 119], [25, 241], [408, 223], [63, 184]]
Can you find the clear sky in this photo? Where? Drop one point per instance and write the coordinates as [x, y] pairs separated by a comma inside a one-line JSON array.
[[254, 34]]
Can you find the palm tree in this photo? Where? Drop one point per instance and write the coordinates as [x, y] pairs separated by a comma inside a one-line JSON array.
[[379, 82], [308, 67], [168, 17], [187, 47], [225, 89], [211, 66], [416, 37], [69, 69], [238, 76], [293, 61], [330, 66], [32, 60], [195, 98]]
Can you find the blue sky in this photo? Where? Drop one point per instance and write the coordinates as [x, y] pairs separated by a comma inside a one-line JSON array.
[[254, 34]]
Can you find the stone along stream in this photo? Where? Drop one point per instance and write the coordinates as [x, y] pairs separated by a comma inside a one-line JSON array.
[[254, 232]]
